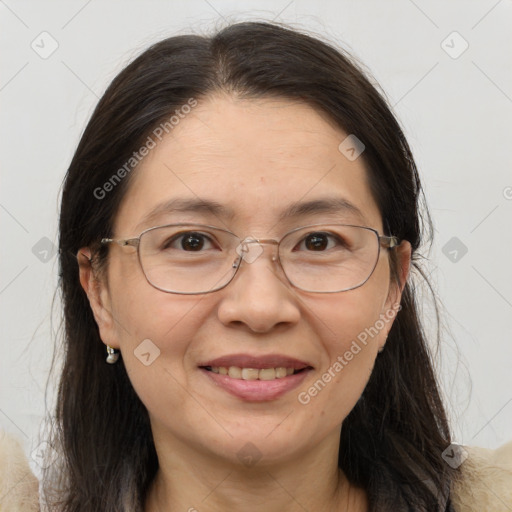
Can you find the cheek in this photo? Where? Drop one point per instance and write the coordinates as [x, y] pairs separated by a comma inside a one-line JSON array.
[[350, 326], [154, 330], [339, 383], [143, 312], [168, 321], [156, 349]]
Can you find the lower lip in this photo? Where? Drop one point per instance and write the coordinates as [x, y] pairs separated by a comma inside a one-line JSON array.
[[257, 390]]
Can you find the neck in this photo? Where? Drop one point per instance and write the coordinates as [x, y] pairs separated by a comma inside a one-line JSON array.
[[194, 481]]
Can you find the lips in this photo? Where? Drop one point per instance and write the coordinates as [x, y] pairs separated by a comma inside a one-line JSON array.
[[256, 378]]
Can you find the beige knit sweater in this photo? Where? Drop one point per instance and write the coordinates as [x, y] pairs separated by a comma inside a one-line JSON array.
[[486, 485], [19, 488]]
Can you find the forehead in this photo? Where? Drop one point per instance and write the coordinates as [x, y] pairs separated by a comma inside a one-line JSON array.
[[257, 159]]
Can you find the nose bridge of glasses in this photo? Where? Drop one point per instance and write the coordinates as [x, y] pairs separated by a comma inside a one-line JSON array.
[[250, 248]]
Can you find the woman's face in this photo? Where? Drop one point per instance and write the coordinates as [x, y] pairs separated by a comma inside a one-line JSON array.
[[255, 158]]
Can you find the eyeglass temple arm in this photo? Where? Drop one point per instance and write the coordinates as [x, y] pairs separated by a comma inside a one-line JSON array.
[[389, 242], [122, 242]]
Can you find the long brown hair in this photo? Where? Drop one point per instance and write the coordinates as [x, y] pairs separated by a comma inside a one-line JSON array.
[[391, 442]]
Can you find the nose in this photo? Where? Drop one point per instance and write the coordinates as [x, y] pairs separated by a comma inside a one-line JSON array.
[[259, 297]]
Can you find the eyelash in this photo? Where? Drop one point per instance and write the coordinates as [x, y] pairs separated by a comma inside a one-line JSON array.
[[181, 236]]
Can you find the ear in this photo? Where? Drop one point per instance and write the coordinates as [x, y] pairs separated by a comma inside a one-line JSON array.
[[99, 297], [403, 254], [396, 286]]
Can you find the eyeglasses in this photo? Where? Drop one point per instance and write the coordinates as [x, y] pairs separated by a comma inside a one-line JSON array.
[[195, 259]]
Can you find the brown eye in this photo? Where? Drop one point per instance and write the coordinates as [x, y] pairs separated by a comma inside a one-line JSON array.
[[188, 241], [316, 242], [192, 242]]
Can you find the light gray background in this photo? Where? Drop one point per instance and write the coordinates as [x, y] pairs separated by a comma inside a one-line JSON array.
[[456, 112]]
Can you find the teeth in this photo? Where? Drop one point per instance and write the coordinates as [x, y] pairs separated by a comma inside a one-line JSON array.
[[249, 373], [267, 374], [283, 372], [253, 373], [234, 372]]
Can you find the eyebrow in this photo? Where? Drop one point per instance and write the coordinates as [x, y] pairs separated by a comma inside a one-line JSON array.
[[325, 205], [330, 205], [188, 206]]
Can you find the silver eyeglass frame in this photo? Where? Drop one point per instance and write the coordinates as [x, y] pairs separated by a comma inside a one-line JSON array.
[[385, 242]]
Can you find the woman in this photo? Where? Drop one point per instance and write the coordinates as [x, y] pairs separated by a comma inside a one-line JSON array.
[[237, 230]]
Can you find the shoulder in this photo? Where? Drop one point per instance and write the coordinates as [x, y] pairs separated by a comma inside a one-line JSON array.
[[19, 488], [485, 481]]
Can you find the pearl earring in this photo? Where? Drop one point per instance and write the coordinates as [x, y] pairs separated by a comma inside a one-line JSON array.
[[113, 355]]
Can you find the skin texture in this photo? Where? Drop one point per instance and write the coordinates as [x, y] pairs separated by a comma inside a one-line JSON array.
[[257, 157]]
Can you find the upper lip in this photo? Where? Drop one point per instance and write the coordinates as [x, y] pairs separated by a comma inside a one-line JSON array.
[[258, 362]]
